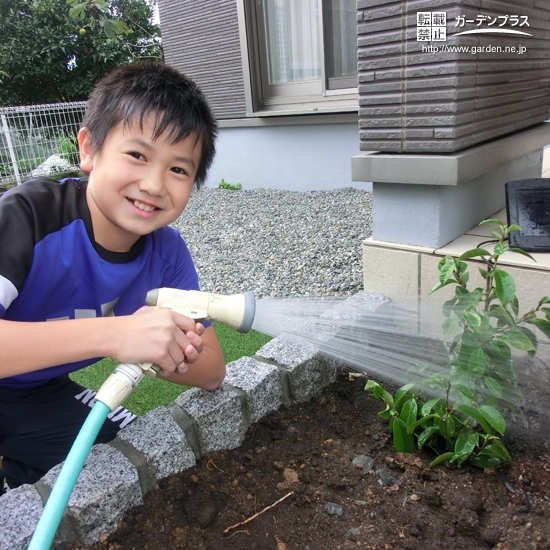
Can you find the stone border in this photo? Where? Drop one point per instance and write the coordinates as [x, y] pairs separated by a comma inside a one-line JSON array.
[[169, 440]]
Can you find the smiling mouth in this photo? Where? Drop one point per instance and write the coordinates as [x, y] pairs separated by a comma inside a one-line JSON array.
[[143, 206]]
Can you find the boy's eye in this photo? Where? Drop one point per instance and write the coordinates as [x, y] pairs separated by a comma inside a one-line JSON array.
[[181, 171], [136, 155]]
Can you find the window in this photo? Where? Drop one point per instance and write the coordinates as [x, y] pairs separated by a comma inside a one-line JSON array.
[[302, 54]]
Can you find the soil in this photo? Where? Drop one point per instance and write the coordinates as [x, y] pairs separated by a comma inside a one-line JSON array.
[[296, 468]]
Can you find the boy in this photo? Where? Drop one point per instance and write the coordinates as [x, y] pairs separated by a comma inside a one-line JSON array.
[[78, 257]]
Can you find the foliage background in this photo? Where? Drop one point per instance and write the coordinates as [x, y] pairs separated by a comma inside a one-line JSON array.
[[56, 50]]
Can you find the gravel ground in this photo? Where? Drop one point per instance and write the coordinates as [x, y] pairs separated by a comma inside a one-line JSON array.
[[278, 243]]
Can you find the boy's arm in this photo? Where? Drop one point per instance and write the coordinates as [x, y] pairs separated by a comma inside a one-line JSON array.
[[152, 334]]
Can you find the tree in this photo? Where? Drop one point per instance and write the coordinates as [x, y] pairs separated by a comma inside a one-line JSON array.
[[56, 50]]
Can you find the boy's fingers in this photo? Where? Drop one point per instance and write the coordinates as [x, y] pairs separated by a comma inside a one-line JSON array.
[[183, 322], [182, 368]]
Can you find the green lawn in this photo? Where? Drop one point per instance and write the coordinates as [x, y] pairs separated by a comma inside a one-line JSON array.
[[153, 392]]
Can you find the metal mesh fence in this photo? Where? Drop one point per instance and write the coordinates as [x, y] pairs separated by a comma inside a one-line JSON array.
[[39, 141]]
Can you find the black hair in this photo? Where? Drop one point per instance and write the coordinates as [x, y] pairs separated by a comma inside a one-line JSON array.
[[133, 92]]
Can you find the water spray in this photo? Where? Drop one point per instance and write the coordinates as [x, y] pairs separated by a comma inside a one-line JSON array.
[[236, 311]]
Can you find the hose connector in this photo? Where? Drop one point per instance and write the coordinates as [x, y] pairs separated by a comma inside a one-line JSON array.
[[119, 385]]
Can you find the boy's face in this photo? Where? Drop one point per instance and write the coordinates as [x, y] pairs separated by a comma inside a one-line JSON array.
[[136, 184]]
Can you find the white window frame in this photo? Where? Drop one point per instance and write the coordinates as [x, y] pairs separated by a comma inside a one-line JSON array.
[[287, 99]]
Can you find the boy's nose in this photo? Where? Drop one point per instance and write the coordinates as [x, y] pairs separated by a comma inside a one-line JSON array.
[[153, 184]]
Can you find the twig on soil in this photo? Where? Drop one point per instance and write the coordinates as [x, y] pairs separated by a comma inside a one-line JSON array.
[[225, 531], [237, 532], [217, 468]]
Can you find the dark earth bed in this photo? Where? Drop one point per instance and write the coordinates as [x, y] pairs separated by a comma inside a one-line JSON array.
[[307, 452]]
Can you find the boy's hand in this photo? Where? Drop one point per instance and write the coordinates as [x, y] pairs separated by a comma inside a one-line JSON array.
[[161, 336]]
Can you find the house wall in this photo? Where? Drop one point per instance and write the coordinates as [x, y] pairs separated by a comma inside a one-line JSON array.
[[425, 101], [303, 157], [201, 39], [298, 153]]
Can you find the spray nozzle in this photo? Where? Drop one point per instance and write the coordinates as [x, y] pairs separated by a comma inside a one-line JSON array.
[[235, 310]]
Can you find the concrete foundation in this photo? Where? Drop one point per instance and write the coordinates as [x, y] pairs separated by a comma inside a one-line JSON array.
[[429, 200]]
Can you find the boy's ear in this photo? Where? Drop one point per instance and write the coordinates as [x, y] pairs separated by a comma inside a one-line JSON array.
[[86, 150]]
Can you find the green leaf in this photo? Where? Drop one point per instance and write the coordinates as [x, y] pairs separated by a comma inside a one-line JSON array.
[[402, 441], [450, 426], [446, 271], [439, 285], [476, 415], [486, 462], [474, 252], [492, 220], [499, 249], [520, 251], [428, 406], [402, 393], [467, 346], [496, 448], [483, 272], [493, 385], [464, 445], [504, 285], [428, 434], [546, 312], [502, 314], [494, 418], [448, 326], [426, 419], [460, 291], [531, 335], [465, 393], [409, 412], [515, 305], [448, 307], [456, 340], [374, 387], [513, 227], [380, 393], [77, 11], [519, 340], [473, 320], [543, 326], [441, 458], [477, 364]]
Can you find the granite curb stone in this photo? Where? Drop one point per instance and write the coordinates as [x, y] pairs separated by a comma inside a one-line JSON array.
[[218, 415], [261, 384], [300, 360], [20, 510], [162, 441], [107, 487]]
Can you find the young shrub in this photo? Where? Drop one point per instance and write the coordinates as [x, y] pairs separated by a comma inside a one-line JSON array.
[[463, 422]]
